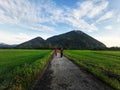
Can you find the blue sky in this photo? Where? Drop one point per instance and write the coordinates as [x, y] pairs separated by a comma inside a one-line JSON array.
[[22, 20]]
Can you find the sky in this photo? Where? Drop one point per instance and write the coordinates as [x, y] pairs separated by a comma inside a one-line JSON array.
[[22, 20]]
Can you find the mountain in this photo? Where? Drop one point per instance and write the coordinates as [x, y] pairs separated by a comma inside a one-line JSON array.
[[3, 45], [74, 40], [36, 43], [71, 40]]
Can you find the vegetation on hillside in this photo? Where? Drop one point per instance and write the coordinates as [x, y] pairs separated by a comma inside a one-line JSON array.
[[69, 40]]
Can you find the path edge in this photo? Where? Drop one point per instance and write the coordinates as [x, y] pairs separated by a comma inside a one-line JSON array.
[[88, 72], [43, 71]]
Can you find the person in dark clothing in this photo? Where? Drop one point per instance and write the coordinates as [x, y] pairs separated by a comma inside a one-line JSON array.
[[61, 52]]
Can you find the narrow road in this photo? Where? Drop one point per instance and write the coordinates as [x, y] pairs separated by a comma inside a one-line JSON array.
[[62, 74]]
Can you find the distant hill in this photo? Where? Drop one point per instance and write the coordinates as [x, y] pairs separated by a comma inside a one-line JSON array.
[[70, 40], [3, 45], [36, 43]]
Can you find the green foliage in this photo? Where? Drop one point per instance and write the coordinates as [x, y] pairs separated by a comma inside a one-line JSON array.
[[20, 68], [103, 64]]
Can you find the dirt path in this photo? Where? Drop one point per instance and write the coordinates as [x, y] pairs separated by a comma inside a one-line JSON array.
[[62, 74]]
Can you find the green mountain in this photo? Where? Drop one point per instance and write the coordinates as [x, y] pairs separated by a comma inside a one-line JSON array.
[[74, 40], [70, 40], [36, 43]]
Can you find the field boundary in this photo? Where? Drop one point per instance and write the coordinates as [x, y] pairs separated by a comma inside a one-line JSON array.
[[43, 71], [88, 72]]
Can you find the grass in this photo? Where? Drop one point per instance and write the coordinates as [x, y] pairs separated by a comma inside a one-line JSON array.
[[20, 68], [103, 64]]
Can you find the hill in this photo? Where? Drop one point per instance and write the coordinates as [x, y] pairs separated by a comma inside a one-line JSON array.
[[70, 40], [74, 40], [36, 43], [6, 46]]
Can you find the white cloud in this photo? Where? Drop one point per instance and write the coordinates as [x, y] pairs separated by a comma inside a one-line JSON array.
[[109, 27], [88, 9], [20, 37], [38, 27], [109, 37], [23, 12], [118, 18], [109, 40], [106, 16], [16, 11], [26, 13], [73, 16], [14, 38], [82, 9], [97, 9], [80, 24]]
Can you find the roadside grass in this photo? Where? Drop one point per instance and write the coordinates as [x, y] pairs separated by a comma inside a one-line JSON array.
[[103, 64], [20, 68]]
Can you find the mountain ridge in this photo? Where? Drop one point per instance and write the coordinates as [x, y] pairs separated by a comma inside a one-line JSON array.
[[4, 45], [75, 39]]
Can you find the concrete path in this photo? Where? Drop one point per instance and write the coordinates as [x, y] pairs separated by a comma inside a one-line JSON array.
[[62, 74]]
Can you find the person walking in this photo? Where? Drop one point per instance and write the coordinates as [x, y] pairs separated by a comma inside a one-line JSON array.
[[61, 52], [56, 51]]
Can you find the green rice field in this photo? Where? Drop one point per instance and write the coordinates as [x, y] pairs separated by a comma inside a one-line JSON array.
[[20, 68], [103, 64]]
